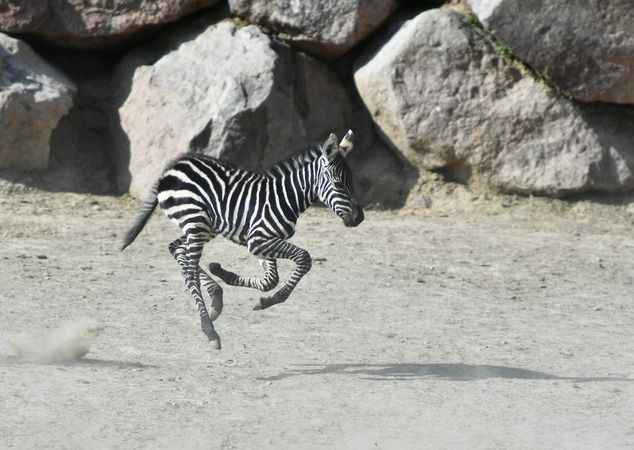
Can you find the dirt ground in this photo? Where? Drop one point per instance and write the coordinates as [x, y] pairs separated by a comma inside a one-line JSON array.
[[499, 326]]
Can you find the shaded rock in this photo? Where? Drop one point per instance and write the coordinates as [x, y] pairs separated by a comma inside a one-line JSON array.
[[229, 92], [442, 96], [326, 28], [80, 157], [585, 47], [81, 146], [94, 24], [381, 177], [34, 96]]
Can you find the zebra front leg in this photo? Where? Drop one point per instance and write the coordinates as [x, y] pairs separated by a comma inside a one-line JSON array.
[[278, 248], [264, 284], [191, 271], [215, 294], [178, 250]]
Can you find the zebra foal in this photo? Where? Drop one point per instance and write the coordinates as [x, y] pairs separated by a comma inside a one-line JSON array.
[[207, 197]]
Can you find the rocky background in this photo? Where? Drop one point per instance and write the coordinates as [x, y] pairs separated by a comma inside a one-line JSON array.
[[502, 96]]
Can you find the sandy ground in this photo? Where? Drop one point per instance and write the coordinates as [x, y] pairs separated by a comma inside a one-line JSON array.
[[433, 329]]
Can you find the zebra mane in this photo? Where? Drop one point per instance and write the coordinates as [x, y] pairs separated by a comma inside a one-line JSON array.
[[298, 159]]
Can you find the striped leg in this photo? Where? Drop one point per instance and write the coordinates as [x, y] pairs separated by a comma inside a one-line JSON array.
[[177, 250], [191, 272], [264, 284], [278, 248]]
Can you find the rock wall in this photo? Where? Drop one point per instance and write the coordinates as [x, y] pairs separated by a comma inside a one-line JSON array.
[[94, 24], [327, 28], [586, 47], [501, 95], [232, 92], [483, 119], [34, 96]]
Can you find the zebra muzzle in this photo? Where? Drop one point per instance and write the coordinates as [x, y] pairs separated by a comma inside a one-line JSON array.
[[354, 218]]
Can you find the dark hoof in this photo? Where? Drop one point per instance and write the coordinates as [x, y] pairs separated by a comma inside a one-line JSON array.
[[228, 277], [211, 334], [266, 302], [216, 343]]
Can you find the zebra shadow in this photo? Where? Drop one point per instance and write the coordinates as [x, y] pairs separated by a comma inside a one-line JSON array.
[[439, 371], [82, 362], [111, 363]]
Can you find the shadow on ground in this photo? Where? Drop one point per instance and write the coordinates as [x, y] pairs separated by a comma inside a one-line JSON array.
[[451, 372], [83, 362], [90, 362]]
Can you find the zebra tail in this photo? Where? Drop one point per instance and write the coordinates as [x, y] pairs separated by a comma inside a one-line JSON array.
[[149, 205]]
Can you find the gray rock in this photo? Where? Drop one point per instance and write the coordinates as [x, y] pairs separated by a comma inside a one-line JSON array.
[[584, 46], [442, 96], [34, 96], [326, 28], [229, 92], [94, 24]]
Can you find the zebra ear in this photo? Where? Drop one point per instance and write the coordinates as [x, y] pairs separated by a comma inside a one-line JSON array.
[[330, 149], [347, 143]]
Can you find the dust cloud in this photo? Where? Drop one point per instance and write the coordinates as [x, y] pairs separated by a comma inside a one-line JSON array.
[[69, 342]]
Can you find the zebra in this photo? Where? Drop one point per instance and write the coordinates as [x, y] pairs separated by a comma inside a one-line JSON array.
[[206, 197]]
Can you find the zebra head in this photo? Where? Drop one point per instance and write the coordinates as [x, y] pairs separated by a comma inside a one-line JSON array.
[[335, 181]]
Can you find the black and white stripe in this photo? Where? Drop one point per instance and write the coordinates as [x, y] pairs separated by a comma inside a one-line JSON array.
[[207, 197]]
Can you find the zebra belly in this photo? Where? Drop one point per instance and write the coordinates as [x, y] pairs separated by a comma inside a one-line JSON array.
[[238, 238]]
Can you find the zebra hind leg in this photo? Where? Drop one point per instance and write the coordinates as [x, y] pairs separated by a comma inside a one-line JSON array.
[[177, 249], [191, 273], [264, 284], [278, 248]]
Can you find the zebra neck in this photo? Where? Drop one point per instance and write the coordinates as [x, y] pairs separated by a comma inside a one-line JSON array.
[[297, 179], [312, 177]]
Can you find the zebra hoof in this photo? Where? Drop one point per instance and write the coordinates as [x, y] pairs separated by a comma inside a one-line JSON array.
[[266, 302], [216, 343], [215, 268], [211, 334]]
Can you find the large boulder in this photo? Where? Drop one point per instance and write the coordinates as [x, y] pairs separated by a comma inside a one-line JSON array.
[[230, 92], [585, 46], [442, 97], [327, 28], [94, 24], [34, 96]]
